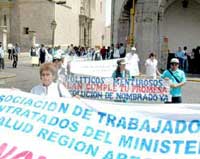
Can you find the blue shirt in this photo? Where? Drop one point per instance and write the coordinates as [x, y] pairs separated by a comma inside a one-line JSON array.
[[180, 54], [180, 75]]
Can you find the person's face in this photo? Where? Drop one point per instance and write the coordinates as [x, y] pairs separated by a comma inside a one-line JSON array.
[[152, 57], [174, 66], [58, 63], [133, 51], [46, 77], [122, 67]]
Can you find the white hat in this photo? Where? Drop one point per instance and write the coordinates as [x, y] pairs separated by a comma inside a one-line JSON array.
[[121, 62], [133, 48], [174, 60]]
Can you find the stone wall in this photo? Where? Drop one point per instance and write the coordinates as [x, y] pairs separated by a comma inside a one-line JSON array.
[[98, 23], [182, 25], [36, 15], [67, 30]]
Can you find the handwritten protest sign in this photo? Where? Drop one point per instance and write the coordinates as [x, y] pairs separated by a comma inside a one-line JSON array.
[[132, 90], [35, 127]]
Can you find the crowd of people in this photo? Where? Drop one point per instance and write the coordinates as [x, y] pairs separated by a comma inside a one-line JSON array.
[[54, 68], [13, 52], [189, 60], [127, 61]]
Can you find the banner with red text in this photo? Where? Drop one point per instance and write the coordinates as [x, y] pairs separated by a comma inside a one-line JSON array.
[[125, 90]]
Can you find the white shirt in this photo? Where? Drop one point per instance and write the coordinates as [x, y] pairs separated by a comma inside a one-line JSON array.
[[116, 53], [151, 67], [1, 52], [62, 73], [132, 64], [53, 90], [10, 46], [121, 50]]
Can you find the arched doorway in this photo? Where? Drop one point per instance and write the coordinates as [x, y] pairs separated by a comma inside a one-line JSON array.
[[181, 23]]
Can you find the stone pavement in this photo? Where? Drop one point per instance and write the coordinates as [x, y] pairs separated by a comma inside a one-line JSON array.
[[6, 75]]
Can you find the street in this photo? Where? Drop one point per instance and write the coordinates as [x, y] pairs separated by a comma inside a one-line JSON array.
[[27, 76]]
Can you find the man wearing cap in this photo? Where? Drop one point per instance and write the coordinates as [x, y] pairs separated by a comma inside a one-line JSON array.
[[176, 78], [132, 62]]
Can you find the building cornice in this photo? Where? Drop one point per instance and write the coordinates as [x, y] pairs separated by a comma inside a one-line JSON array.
[[6, 4]]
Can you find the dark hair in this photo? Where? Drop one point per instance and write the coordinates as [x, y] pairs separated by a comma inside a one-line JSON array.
[[152, 55]]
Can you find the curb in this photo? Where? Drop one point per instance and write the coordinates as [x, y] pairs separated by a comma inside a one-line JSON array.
[[193, 80], [6, 76]]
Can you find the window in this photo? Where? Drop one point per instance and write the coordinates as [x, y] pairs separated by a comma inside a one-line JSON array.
[[26, 30], [4, 20]]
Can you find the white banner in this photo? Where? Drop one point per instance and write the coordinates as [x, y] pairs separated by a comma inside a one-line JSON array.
[[103, 68], [35, 127], [127, 90]]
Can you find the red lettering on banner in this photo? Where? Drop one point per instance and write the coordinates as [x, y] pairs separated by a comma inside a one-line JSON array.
[[101, 87], [149, 89], [12, 154], [75, 86]]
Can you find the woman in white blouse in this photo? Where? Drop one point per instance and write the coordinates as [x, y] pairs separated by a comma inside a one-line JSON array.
[[151, 66], [48, 87]]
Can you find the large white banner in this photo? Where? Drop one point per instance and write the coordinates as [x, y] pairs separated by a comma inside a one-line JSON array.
[[35, 127], [103, 68], [124, 90]]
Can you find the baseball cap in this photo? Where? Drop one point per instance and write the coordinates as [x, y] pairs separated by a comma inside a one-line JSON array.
[[174, 60]]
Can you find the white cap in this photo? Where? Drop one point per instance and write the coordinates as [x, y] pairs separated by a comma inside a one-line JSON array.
[[133, 48], [174, 60]]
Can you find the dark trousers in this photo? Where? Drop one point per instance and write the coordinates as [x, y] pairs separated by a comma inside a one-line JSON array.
[[122, 55], [15, 60], [175, 100], [10, 54], [2, 63]]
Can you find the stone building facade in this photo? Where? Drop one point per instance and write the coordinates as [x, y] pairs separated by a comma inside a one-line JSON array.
[[78, 22], [159, 25]]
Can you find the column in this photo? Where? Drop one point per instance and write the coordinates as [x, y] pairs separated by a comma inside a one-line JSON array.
[[4, 42], [132, 28], [90, 33], [146, 39]]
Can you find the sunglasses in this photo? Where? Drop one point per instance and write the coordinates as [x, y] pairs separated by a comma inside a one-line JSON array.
[[174, 64]]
